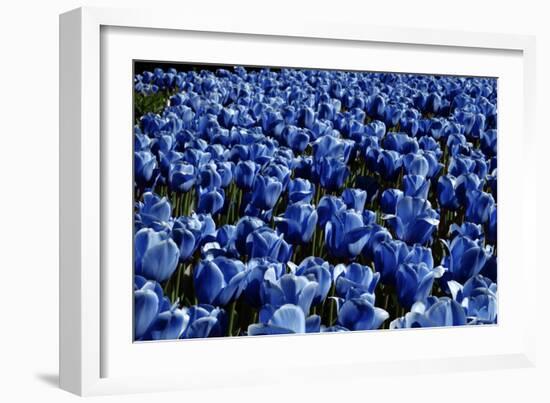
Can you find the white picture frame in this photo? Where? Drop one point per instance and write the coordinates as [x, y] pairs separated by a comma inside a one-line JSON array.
[[94, 360]]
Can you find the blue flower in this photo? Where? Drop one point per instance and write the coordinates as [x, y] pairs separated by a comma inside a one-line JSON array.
[[332, 173], [327, 207], [144, 166], [205, 321], [259, 270], [387, 258], [356, 277], [154, 211], [298, 223], [148, 302], [318, 270], [289, 289], [446, 192], [225, 170], [156, 255], [467, 229], [465, 185], [211, 200], [433, 312], [209, 176], [189, 232], [266, 192], [413, 283], [345, 234], [286, 319], [478, 297], [300, 190], [219, 281], [296, 138], [168, 325], [401, 143], [466, 258], [389, 199], [333, 148], [245, 173], [264, 242], [355, 199], [479, 207], [416, 164], [414, 220], [245, 226], [182, 176], [361, 314], [416, 186], [388, 164]]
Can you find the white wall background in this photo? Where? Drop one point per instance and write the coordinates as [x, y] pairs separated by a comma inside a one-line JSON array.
[[29, 197]]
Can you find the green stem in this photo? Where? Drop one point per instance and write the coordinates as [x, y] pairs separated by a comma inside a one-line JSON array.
[[231, 318]]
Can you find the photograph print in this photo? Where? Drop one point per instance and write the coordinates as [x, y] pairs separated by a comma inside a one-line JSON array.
[[273, 200]]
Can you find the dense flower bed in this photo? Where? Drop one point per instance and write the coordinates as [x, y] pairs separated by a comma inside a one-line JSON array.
[[292, 201]]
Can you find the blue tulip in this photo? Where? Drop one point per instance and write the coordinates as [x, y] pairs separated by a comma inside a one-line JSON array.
[[466, 258], [189, 232], [318, 270], [387, 258], [414, 220], [289, 289], [209, 176], [332, 148], [300, 190], [327, 207], [467, 229], [219, 281], [264, 242], [245, 173], [296, 138], [446, 192], [478, 297], [356, 277], [479, 207], [182, 176], [416, 164], [460, 165], [375, 128], [148, 300], [266, 192], [168, 325], [413, 283], [361, 314], [225, 170], [355, 199], [156, 255], [286, 319], [433, 312], [245, 226], [492, 230], [154, 211], [401, 143], [465, 185], [298, 223], [388, 164], [332, 173], [416, 186], [211, 200], [489, 143], [205, 321], [345, 234], [259, 270], [389, 199], [144, 166]]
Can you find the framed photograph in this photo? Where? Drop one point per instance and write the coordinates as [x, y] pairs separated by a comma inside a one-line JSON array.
[[235, 190]]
